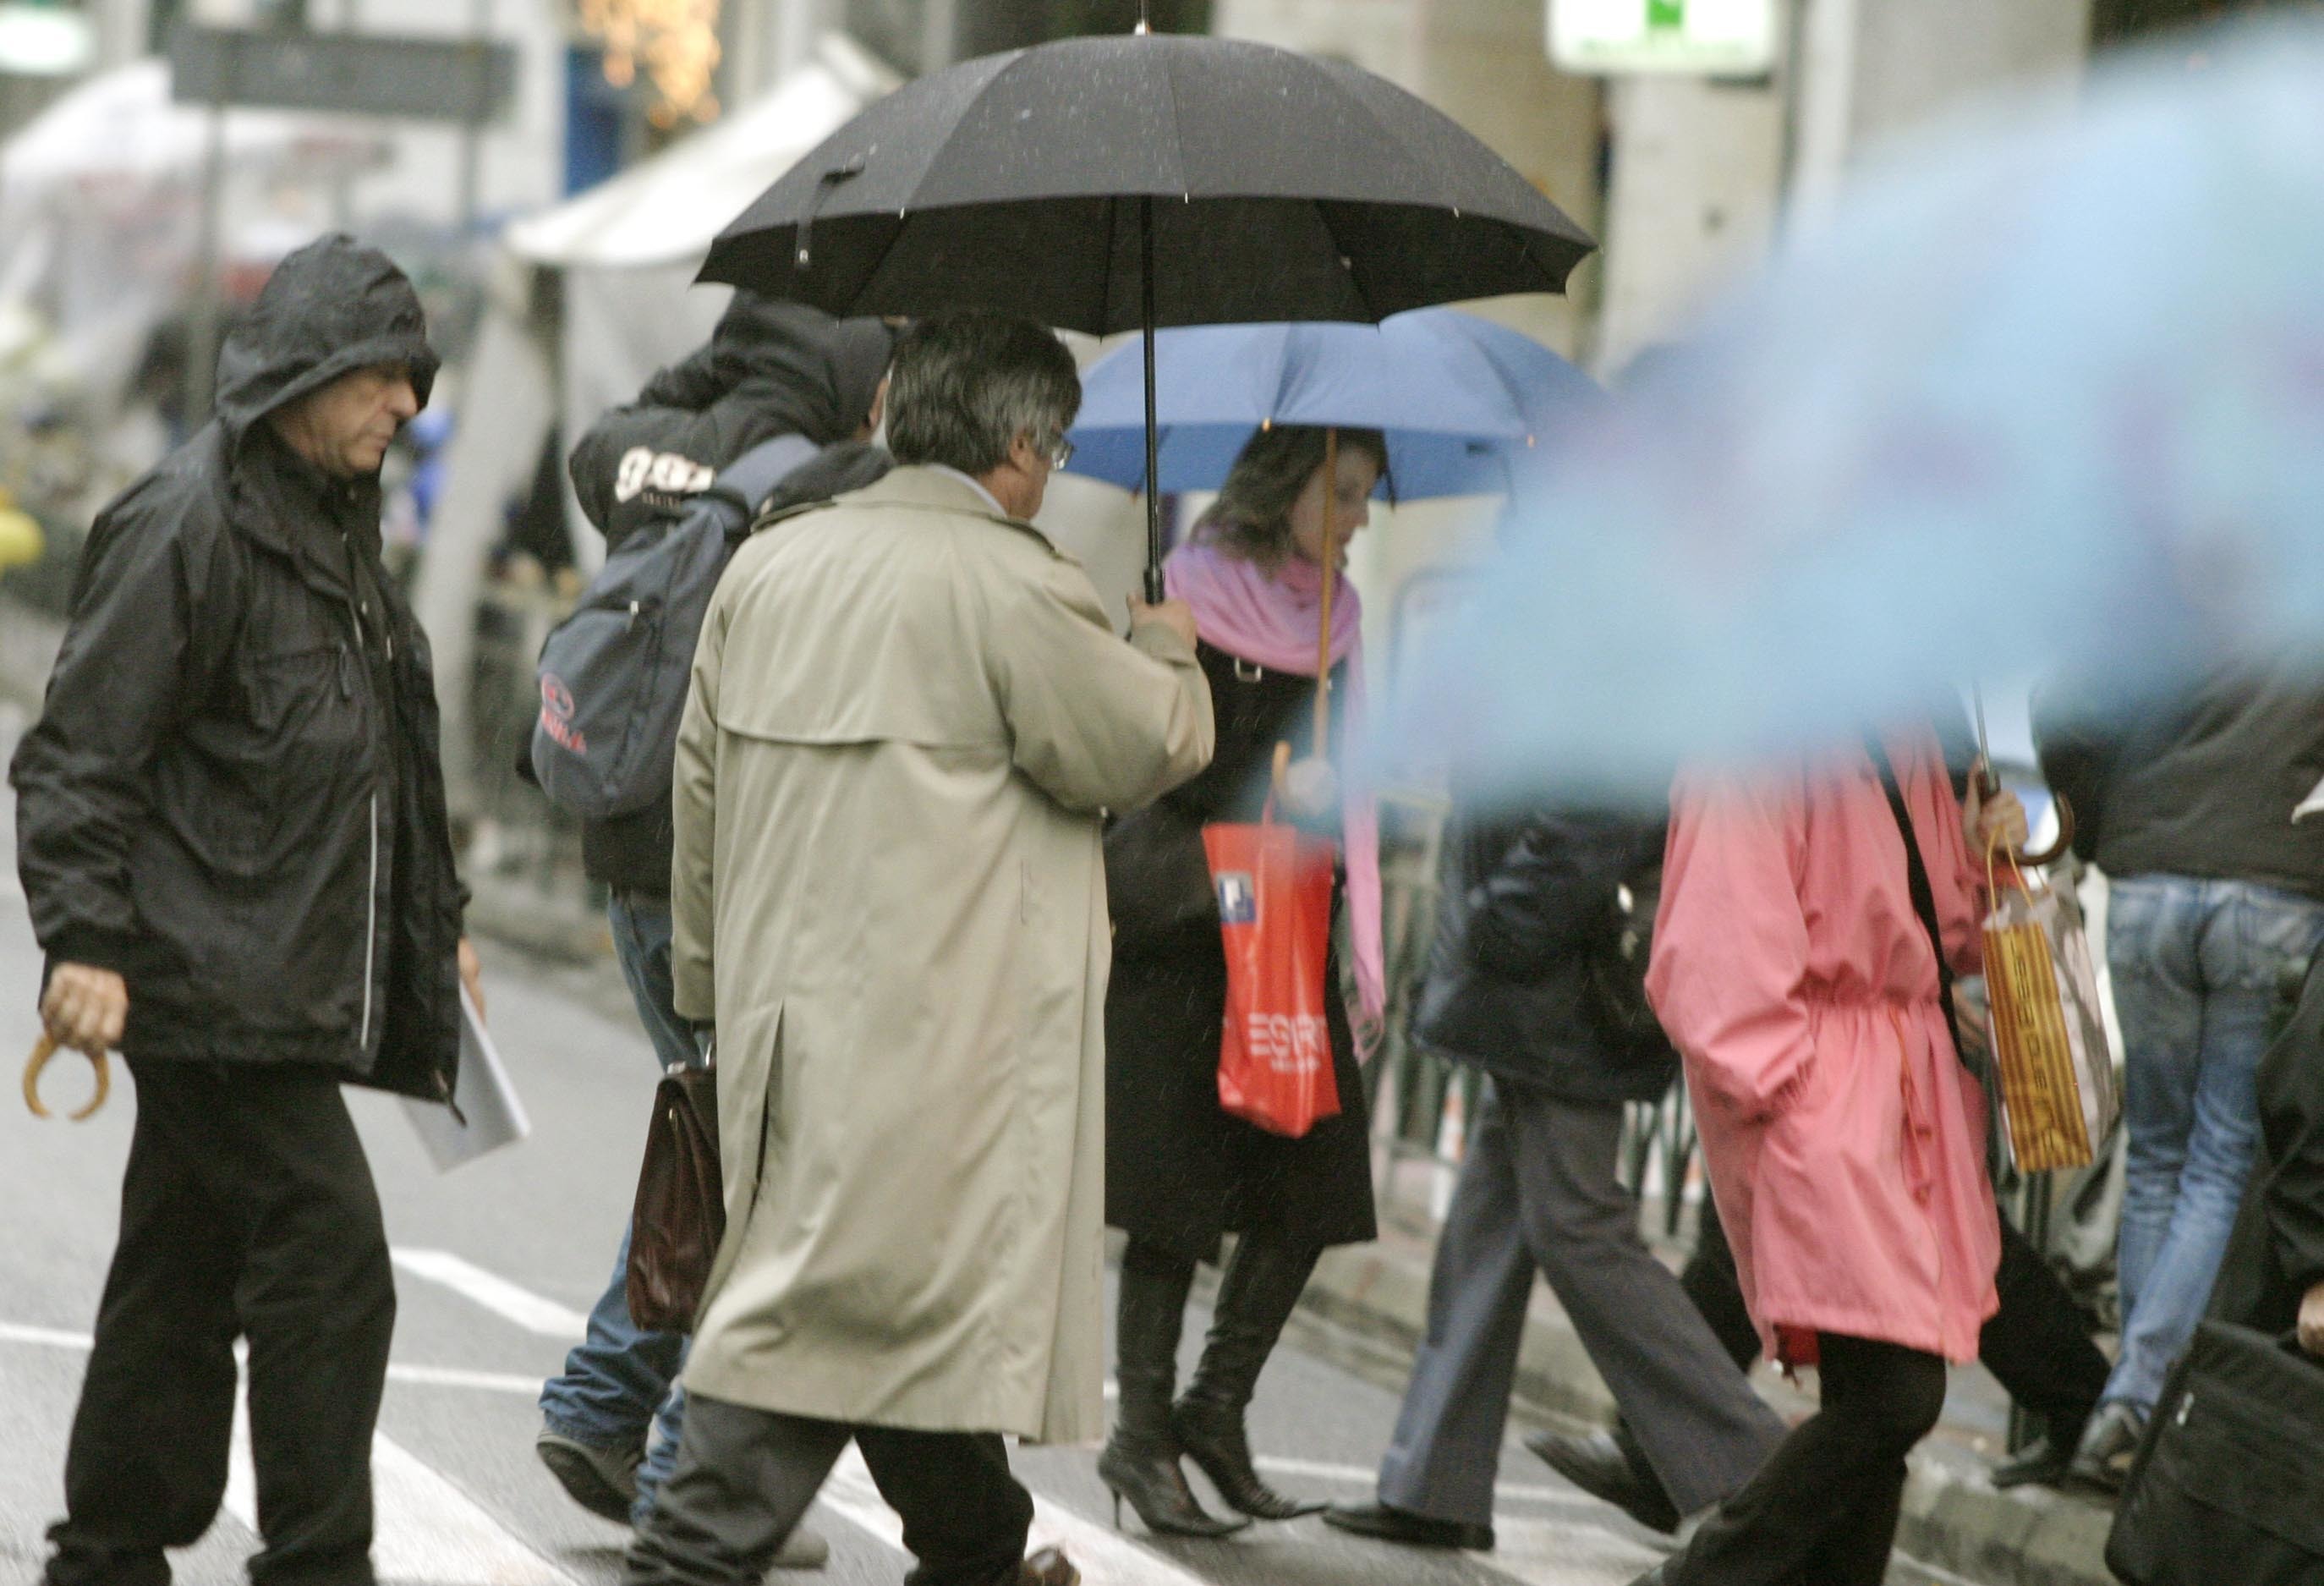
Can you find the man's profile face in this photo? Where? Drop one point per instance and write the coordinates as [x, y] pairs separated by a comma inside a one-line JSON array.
[[346, 427]]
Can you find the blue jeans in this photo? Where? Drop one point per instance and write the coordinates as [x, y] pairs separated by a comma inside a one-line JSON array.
[[2195, 966], [617, 1377]]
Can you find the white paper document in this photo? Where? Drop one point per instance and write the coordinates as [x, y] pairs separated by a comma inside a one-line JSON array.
[[486, 1114]]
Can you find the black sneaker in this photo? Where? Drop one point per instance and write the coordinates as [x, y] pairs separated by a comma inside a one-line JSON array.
[[1384, 1522], [603, 1480]]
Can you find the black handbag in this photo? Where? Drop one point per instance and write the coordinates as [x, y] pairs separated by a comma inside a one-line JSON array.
[[680, 1216], [1158, 881], [2227, 1490]]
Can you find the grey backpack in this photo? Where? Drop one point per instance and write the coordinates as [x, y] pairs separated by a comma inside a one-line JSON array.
[[613, 676]]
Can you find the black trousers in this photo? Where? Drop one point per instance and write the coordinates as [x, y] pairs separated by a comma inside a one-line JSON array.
[[247, 1211], [2037, 1345], [1822, 1510], [745, 1476]]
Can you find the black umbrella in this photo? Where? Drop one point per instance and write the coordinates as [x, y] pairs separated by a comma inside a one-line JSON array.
[[1047, 182]]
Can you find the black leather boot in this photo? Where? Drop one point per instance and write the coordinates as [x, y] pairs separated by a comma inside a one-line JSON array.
[[1262, 1283], [1140, 1460]]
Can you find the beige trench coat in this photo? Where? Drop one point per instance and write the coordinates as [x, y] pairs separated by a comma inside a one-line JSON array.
[[906, 715]]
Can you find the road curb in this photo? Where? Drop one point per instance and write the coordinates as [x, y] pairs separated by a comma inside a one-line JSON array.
[[1953, 1519]]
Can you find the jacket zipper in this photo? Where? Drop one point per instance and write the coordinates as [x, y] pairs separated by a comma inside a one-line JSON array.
[[370, 890], [371, 926]]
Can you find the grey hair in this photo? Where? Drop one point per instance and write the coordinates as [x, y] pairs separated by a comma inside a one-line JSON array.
[[965, 386]]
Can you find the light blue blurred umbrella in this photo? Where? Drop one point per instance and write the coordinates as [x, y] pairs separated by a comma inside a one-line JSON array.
[[2048, 393], [1461, 399]]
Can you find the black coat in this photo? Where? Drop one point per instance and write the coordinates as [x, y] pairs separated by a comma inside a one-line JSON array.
[[233, 795], [1179, 1172], [2277, 1253], [770, 369], [1527, 902], [2200, 785]]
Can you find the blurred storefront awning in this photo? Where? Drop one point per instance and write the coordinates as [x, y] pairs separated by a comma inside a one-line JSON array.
[[666, 210]]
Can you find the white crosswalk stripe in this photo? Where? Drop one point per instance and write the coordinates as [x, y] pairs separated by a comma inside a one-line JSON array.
[[427, 1528], [495, 1293]]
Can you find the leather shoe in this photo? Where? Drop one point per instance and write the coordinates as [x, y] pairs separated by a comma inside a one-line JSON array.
[[2110, 1442], [1384, 1522], [2040, 1463], [1598, 1463], [1049, 1567]]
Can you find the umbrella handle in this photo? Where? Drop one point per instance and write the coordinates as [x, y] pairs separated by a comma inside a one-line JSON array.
[[42, 1050], [1330, 568], [2057, 849]]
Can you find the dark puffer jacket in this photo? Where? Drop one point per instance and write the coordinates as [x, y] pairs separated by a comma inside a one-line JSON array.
[[233, 795], [770, 369], [1528, 900]]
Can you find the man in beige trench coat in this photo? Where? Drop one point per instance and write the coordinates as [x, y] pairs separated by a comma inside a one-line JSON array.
[[909, 711]]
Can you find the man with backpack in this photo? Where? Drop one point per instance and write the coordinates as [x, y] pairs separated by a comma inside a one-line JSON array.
[[780, 407], [1538, 981]]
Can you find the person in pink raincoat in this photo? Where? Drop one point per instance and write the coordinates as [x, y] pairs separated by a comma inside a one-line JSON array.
[[1845, 1143]]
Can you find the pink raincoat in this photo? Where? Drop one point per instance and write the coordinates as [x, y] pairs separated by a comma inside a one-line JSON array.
[[1844, 1140]]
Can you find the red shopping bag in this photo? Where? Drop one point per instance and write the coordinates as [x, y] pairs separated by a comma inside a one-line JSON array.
[[1274, 886]]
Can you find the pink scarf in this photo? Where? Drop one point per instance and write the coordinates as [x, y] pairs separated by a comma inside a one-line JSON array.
[[1273, 620]]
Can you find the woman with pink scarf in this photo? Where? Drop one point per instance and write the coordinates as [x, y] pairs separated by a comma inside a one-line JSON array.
[[1180, 1172]]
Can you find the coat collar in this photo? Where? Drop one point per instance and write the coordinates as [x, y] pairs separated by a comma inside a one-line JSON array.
[[927, 490]]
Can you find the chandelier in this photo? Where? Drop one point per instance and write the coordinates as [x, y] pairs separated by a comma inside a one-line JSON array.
[[675, 43]]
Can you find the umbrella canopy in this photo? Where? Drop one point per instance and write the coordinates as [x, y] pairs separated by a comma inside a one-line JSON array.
[[1106, 184], [1283, 186], [2048, 393], [1459, 398]]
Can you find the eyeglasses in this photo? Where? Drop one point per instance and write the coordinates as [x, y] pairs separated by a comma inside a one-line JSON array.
[[1060, 452]]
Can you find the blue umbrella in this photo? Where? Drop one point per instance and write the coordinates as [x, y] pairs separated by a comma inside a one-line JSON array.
[[2046, 394], [1462, 400]]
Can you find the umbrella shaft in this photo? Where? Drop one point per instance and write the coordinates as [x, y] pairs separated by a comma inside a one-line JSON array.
[[1331, 570], [1153, 434]]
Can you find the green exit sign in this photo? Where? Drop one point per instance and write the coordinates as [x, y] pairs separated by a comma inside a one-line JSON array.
[[1705, 38]]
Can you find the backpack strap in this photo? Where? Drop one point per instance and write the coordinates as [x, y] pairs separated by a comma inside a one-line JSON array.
[[752, 478], [1916, 878]]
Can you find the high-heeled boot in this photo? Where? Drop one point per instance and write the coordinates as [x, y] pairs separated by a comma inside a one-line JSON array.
[[1140, 1461], [1261, 1284]]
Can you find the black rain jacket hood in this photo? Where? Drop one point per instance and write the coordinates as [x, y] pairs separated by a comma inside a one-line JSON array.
[[233, 796], [330, 307], [769, 369]]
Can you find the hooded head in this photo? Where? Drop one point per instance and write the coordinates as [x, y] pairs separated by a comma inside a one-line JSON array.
[[332, 307], [796, 369]]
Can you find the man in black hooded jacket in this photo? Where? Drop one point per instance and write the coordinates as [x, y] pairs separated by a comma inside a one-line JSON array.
[[231, 832], [771, 369]]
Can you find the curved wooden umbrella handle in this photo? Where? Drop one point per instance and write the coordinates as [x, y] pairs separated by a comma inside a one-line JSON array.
[[42, 1050], [2057, 849]]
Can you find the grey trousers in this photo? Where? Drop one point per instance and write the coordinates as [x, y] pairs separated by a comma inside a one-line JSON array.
[[1537, 1192], [745, 1476]]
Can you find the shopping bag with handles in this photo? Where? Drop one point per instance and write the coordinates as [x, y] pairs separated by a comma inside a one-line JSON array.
[[2049, 1036], [1274, 886]]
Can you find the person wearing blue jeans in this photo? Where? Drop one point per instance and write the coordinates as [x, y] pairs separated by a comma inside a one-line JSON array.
[[611, 1420], [601, 1435], [2196, 965], [2186, 804]]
